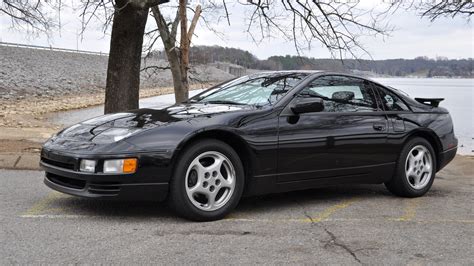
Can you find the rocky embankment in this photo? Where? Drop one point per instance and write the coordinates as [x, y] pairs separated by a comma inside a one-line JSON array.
[[34, 82], [26, 73]]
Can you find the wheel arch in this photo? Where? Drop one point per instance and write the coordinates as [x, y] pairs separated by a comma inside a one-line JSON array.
[[430, 136], [232, 139]]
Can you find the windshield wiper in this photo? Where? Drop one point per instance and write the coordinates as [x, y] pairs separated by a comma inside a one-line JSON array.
[[191, 101], [224, 102]]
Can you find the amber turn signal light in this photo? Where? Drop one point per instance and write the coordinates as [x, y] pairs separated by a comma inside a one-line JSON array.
[[129, 165]]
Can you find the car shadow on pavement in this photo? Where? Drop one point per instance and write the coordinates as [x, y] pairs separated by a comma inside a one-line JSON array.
[[110, 209], [311, 197]]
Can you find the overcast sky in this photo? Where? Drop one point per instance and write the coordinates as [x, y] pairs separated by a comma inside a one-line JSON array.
[[413, 36]]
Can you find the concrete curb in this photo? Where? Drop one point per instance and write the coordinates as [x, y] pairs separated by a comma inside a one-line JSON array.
[[19, 161]]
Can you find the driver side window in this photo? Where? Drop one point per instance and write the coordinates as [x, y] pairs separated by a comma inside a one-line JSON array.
[[341, 94]]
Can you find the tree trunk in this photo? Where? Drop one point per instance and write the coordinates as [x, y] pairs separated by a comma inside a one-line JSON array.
[[180, 92], [178, 60], [184, 53], [123, 70]]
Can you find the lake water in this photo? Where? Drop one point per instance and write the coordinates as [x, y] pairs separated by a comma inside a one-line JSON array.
[[458, 94]]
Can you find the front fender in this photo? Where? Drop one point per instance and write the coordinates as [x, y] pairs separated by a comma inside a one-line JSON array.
[[209, 131]]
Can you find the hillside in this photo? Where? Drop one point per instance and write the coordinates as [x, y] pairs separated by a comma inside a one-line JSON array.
[[419, 67], [28, 72]]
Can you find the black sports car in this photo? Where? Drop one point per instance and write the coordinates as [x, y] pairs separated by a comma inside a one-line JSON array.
[[262, 133]]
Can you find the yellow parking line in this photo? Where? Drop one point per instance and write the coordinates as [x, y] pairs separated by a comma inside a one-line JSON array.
[[43, 205], [56, 216], [410, 210], [324, 215]]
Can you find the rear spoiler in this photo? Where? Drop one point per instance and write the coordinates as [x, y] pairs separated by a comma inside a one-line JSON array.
[[430, 101]]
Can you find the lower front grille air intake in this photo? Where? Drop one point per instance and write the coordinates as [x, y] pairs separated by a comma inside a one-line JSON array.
[[66, 181], [104, 188]]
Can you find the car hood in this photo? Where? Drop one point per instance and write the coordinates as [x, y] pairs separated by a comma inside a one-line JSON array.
[[112, 128]]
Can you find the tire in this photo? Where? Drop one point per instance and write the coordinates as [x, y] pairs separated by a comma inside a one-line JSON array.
[[415, 170], [206, 169]]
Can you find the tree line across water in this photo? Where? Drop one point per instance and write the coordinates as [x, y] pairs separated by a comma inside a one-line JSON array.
[[420, 66]]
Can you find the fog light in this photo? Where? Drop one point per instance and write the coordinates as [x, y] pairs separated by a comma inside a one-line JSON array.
[[87, 166], [120, 166]]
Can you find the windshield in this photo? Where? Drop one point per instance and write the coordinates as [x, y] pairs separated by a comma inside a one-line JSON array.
[[265, 89]]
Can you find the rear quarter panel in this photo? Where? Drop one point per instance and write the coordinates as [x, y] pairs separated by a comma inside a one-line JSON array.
[[437, 125]]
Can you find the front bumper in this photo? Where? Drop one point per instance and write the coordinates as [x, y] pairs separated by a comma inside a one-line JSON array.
[[61, 174]]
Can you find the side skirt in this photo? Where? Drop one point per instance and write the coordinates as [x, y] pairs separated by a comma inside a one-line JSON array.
[[375, 174]]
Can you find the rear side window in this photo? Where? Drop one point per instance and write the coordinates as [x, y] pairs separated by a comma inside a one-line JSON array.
[[342, 94], [390, 101]]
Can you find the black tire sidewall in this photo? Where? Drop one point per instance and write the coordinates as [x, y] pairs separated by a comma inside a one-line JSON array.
[[178, 196]]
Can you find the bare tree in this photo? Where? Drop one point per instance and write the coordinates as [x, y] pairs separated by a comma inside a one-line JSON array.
[[123, 70], [128, 19], [178, 58]]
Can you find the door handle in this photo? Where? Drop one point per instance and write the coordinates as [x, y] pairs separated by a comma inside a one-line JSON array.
[[379, 127]]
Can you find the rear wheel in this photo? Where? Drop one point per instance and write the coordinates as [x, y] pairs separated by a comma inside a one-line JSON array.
[[415, 171], [208, 181]]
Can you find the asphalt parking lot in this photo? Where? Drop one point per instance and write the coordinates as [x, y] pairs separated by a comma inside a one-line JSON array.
[[337, 225]]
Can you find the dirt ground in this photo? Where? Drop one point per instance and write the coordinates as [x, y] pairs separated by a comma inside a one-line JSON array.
[[20, 146]]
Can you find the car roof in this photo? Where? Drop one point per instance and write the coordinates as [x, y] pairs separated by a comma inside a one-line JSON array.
[[309, 73], [315, 73], [288, 72]]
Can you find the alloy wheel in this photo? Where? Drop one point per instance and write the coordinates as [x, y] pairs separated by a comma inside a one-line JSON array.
[[210, 181], [418, 167]]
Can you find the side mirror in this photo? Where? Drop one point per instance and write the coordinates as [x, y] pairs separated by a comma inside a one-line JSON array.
[[307, 105]]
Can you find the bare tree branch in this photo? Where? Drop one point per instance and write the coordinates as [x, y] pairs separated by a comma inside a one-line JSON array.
[[464, 8], [194, 21], [34, 15], [336, 25], [226, 12]]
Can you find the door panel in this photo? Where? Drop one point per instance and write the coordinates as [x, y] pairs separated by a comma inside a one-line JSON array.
[[349, 138], [315, 146]]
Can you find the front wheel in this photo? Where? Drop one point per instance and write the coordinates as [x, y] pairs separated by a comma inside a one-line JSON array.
[[415, 171], [208, 181]]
